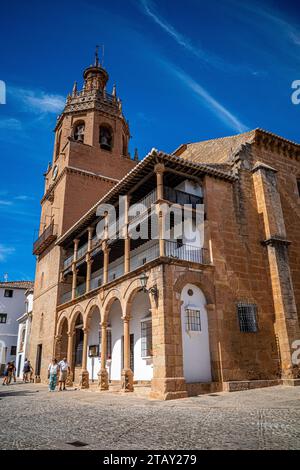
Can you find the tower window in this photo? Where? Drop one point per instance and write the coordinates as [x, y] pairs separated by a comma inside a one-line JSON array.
[[58, 141], [298, 186], [106, 138], [124, 146], [79, 132], [247, 315]]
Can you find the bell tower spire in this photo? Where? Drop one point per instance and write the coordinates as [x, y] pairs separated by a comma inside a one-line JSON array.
[[91, 135]]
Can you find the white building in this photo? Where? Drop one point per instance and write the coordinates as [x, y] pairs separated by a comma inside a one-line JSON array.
[[12, 299], [24, 332]]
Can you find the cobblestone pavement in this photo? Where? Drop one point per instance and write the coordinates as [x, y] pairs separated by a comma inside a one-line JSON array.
[[33, 418]]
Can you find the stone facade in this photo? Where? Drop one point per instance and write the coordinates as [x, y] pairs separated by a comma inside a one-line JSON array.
[[251, 247]]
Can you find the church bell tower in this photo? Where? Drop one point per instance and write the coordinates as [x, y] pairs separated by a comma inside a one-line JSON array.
[[90, 156]]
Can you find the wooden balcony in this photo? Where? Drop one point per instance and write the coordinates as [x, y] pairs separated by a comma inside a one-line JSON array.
[[45, 239]]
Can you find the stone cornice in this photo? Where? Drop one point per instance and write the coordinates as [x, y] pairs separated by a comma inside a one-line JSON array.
[[263, 166], [276, 241], [275, 143]]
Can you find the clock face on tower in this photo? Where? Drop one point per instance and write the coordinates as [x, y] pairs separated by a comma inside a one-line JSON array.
[[54, 173]]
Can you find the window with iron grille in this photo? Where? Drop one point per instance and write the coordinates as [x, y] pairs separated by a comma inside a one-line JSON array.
[[108, 343], [3, 317], [192, 320], [13, 350], [8, 293], [146, 338], [247, 315]]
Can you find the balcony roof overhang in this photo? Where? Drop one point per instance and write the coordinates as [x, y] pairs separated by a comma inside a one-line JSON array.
[[135, 176]]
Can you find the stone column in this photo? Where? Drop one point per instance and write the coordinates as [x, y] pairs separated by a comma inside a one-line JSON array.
[[127, 374], [159, 170], [89, 263], [126, 238], [74, 269], [286, 319], [90, 238], [106, 251], [74, 280], [103, 374], [84, 376], [70, 377]]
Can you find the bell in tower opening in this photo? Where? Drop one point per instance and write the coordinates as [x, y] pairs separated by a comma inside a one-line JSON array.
[[79, 132], [105, 138]]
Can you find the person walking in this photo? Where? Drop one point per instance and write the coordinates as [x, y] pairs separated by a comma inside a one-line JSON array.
[[27, 369], [13, 372], [64, 370], [7, 374], [53, 370]]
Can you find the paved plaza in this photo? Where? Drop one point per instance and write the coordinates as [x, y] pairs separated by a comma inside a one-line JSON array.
[[33, 418]]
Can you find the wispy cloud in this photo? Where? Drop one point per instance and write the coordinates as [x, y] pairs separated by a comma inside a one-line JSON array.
[[291, 32], [5, 251], [24, 197], [220, 111], [182, 40], [10, 124], [5, 203], [203, 55], [282, 32], [37, 101]]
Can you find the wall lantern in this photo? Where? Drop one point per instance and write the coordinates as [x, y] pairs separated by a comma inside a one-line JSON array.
[[152, 290]]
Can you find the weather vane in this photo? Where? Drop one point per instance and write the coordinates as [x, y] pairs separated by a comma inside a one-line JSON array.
[[97, 55]]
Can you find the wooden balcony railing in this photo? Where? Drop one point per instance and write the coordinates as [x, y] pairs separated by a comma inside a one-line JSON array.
[[45, 239]]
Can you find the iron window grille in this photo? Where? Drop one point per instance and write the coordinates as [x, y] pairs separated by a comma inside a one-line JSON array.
[[192, 320], [3, 317], [108, 343], [146, 338], [8, 293], [247, 315]]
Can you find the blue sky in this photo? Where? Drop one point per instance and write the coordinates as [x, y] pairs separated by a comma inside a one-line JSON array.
[[185, 71]]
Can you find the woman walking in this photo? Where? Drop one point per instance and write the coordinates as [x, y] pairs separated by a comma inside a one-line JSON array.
[[7, 374], [53, 370]]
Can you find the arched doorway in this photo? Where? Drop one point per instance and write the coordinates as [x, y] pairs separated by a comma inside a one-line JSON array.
[[78, 345], [62, 344], [141, 331], [195, 337], [94, 339], [114, 341]]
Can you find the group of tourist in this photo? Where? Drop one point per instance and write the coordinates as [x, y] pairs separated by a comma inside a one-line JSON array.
[[10, 372], [58, 370]]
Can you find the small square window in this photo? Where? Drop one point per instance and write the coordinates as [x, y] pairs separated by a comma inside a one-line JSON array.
[[13, 350], [8, 293], [247, 315], [192, 320], [3, 317]]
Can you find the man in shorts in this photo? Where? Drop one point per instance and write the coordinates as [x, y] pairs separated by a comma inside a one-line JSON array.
[[64, 370]]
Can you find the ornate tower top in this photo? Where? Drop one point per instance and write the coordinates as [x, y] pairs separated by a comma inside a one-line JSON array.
[[95, 76], [93, 95]]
